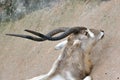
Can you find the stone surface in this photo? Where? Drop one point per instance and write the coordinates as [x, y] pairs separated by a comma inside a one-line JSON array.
[[21, 59]]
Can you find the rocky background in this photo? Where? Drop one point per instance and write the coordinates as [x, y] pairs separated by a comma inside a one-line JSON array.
[[22, 59], [17, 9]]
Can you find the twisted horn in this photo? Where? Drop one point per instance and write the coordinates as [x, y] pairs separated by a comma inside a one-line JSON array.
[[27, 37], [67, 31], [74, 30], [50, 34]]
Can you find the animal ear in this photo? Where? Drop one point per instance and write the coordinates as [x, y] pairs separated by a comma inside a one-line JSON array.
[[101, 35], [77, 42], [91, 34], [61, 45]]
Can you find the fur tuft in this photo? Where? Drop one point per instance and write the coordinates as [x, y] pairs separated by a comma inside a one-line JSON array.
[[87, 78]]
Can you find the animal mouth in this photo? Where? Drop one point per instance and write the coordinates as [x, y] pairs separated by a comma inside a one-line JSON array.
[[102, 32], [102, 37]]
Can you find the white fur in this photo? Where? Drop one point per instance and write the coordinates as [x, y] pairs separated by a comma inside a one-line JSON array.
[[69, 76], [55, 65], [61, 45], [58, 77], [101, 34], [76, 42], [90, 33], [87, 78]]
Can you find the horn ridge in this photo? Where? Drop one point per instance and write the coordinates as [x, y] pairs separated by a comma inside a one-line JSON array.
[[26, 36], [74, 30], [50, 34]]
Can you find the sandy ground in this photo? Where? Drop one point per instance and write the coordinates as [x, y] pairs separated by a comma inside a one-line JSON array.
[[21, 59]]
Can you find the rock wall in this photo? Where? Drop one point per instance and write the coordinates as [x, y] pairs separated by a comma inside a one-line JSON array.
[[17, 9], [22, 59]]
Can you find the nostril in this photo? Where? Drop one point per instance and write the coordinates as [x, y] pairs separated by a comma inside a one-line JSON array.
[[102, 36], [102, 31], [86, 33]]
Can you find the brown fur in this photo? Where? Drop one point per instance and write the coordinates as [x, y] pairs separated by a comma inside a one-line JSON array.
[[76, 57]]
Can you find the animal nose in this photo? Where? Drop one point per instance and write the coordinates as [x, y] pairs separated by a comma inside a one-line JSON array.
[[103, 33], [102, 36]]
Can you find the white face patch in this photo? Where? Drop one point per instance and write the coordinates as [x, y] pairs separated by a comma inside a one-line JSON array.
[[61, 45], [101, 34], [82, 37], [69, 76], [87, 78], [58, 77], [90, 33], [76, 42]]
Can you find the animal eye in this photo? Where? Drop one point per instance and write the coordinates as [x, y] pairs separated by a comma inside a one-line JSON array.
[[86, 33]]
